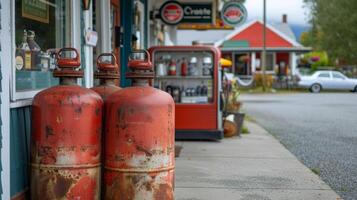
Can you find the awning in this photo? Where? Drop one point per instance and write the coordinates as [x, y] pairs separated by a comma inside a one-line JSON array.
[[235, 44], [225, 63]]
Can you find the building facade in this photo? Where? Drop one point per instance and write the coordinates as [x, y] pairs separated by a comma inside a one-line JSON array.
[[244, 46], [31, 32]]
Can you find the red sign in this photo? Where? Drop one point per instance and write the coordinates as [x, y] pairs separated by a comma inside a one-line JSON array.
[[171, 12], [234, 13]]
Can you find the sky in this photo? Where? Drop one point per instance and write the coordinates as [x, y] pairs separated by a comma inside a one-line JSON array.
[[297, 13]]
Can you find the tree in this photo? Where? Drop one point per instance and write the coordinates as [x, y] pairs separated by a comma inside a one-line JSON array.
[[334, 28]]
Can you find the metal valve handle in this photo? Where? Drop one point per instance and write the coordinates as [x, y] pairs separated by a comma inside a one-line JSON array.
[[105, 66], [142, 51], [144, 64], [68, 62]]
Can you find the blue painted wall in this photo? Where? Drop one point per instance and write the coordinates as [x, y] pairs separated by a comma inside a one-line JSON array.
[[20, 130], [126, 21], [127, 18]]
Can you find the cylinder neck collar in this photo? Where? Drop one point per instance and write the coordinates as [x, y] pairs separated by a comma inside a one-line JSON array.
[[140, 68], [140, 82], [107, 82], [67, 65], [107, 67], [68, 81]]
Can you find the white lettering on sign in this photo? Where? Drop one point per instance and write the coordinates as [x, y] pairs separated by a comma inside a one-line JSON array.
[[201, 11]]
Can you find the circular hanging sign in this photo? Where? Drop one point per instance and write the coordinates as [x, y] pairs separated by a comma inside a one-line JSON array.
[[171, 12], [234, 13]]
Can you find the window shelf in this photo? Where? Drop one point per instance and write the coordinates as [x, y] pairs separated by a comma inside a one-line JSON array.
[[183, 77]]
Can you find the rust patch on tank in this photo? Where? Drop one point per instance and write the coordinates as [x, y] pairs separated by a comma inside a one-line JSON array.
[[47, 155], [121, 189], [121, 118], [148, 186], [78, 110], [164, 191], [61, 187], [61, 103], [142, 149], [49, 131], [119, 158]]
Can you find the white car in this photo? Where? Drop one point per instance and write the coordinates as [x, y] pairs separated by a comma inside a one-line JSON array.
[[330, 80]]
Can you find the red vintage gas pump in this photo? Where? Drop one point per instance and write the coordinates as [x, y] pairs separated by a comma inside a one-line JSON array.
[[66, 132], [108, 73], [139, 139]]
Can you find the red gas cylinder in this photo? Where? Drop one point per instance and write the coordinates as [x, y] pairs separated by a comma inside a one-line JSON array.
[[108, 74], [66, 135], [139, 139]]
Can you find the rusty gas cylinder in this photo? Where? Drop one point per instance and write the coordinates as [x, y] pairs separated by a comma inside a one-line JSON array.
[[108, 74], [66, 135], [139, 139]]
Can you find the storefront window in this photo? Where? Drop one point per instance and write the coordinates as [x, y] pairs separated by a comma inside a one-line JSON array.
[[187, 76], [42, 27], [242, 66]]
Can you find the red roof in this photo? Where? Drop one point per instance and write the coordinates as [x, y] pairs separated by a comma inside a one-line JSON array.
[[254, 35]]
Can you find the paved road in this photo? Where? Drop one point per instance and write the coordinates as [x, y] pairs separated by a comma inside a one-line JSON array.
[[320, 129]]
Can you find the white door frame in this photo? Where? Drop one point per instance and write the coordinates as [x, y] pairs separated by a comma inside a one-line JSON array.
[[6, 63]]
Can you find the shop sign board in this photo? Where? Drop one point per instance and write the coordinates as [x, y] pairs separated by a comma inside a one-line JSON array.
[[218, 25], [173, 13], [234, 13], [35, 10]]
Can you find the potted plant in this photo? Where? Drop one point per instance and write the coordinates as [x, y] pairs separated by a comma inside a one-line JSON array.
[[233, 119]]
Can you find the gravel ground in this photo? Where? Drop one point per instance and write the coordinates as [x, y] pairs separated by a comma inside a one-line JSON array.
[[320, 129]]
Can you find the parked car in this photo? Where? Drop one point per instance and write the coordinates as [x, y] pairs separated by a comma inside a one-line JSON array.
[[330, 80]]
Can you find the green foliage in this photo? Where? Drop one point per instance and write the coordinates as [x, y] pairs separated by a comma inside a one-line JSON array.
[[259, 78], [316, 171], [233, 97], [245, 130], [334, 29], [316, 59], [311, 38]]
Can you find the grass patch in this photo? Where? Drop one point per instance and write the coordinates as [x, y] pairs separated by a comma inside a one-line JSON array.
[[344, 189], [249, 118], [316, 171], [245, 130], [259, 90]]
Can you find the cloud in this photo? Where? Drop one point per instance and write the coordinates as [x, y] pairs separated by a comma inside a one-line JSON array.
[[276, 8]]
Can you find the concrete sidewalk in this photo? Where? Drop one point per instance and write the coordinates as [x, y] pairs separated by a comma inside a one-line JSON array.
[[255, 166]]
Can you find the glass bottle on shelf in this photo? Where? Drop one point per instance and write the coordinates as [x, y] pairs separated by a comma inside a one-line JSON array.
[[24, 52], [161, 69], [176, 93], [184, 67], [192, 68], [199, 90], [193, 92], [204, 89], [35, 50], [172, 68], [183, 94], [169, 89], [207, 66]]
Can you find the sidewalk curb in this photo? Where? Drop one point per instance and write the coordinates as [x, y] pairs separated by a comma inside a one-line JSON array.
[[254, 166]]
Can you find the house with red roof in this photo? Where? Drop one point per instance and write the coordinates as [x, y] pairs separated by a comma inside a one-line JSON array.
[[244, 46]]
